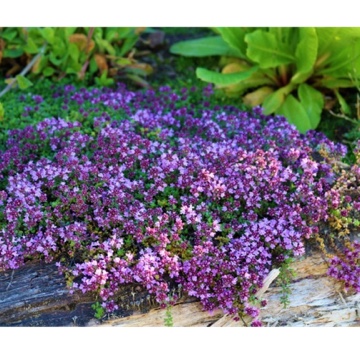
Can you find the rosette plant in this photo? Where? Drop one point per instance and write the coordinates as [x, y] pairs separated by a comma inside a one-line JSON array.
[[288, 71]]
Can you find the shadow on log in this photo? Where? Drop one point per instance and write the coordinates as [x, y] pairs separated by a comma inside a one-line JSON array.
[[36, 295]]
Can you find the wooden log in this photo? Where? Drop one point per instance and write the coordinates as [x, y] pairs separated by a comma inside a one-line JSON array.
[[36, 295]]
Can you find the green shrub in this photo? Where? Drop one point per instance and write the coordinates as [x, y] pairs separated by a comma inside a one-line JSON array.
[[98, 53], [288, 71]]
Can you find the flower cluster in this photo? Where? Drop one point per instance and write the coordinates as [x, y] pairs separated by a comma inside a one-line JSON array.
[[209, 199]]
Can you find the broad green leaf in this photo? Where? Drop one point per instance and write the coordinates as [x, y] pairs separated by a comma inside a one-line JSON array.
[[325, 38], [345, 109], [343, 61], [48, 34], [13, 53], [295, 113], [23, 82], [235, 37], [273, 101], [224, 79], [264, 49], [74, 52], [313, 103], [48, 71], [31, 47], [9, 34], [306, 54], [209, 46]]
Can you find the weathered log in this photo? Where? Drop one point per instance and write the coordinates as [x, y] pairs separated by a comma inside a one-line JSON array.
[[36, 295]]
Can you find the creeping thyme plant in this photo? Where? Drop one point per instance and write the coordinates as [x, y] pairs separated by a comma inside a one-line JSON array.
[[162, 192]]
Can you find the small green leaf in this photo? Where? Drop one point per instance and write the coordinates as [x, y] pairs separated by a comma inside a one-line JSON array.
[[128, 44], [13, 53], [295, 113], [74, 52], [48, 71], [23, 82], [345, 109], [48, 34], [264, 49], [54, 60], [313, 102], [31, 47], [209, 46], [9, 34], [224, 79]]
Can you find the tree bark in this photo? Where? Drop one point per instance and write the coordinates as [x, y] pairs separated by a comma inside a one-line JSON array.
[[36, 295]]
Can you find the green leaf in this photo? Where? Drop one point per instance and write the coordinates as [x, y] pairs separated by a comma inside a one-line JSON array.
[[103, 80], [104, 45], [31, 47], [264, 49], [23, 82], [295, 113], [128, 44], [48, 34], [74, 52], [9, 34], [345, 109], [313, 102], [48, 71], [13, 53], [335, 83], [2, 112], [209, 46], [123, 32], [69, 31], [306, 54], [224, 79], [55, 60], [276, 99], [235, 37]]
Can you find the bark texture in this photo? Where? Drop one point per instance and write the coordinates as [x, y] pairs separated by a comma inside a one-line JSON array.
[[36, 295]]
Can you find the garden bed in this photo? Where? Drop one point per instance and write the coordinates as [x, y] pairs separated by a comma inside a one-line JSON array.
[[125, 205]]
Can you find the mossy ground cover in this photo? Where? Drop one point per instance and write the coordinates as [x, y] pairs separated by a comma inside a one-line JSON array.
[[174, 184]]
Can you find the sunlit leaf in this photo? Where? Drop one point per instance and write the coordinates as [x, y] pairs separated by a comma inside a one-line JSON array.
[[295, 113], [223, 79], [23, 82], [209, 46], [313, 103], [306, 54], [264, 49], [273, 101], [235, 37]]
